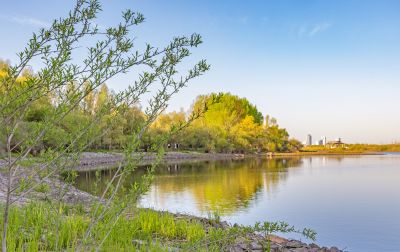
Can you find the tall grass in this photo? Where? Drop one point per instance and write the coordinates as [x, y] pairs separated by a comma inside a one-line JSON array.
[[41, 227], [38, 226]]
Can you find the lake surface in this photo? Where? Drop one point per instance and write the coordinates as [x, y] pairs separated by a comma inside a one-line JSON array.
[[352, 202]]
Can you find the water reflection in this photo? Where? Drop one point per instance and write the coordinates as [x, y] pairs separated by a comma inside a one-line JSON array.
[[351, 201], [224, 186], [215, 186]]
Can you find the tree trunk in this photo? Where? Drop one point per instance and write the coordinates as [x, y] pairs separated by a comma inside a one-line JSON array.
[[5, 217]]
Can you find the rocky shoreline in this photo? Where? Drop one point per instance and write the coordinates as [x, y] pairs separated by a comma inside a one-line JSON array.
[[54, 189], [254, 242], [90, 161]]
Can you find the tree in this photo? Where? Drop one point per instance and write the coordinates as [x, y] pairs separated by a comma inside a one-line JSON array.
[[103, 97], [70, 83], [277, 139], [294, 145], [89, 100], [233, 124]]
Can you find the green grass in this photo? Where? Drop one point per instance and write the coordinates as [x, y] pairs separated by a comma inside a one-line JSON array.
[[43, 188], [43, 227], [34, 227], [38, 226]]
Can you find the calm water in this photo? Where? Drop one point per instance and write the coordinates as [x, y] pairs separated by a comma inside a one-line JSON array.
[[353, 202]]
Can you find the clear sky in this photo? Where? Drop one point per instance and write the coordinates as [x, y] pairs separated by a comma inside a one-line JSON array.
[[328, 68]]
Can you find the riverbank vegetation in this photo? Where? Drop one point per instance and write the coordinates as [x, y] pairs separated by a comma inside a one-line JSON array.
[[353, 148], [40, 227], [232, 124]]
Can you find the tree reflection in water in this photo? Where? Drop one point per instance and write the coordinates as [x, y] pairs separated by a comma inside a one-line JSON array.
[[215, 186]]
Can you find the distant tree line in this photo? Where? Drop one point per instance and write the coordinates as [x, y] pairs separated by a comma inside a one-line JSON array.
[[355, 148], [230, 125]]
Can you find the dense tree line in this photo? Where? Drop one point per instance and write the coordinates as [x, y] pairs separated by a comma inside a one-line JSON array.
[[114, 128], [231, 124]]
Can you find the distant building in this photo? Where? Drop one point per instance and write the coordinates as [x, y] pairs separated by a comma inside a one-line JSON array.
[[323, 140], [336, 143], [309, 140]]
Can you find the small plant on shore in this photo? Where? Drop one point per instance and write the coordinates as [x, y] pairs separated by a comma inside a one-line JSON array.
[[214, 216], [268, 228], [43, 188]]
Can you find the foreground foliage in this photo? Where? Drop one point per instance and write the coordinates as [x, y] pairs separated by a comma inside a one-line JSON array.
[[53, 112], [38, 227]]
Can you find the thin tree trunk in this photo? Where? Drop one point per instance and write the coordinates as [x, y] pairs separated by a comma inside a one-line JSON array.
[[8, 196], [6, 211]]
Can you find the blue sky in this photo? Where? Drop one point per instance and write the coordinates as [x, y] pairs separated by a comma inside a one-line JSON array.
[[328, 68]]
